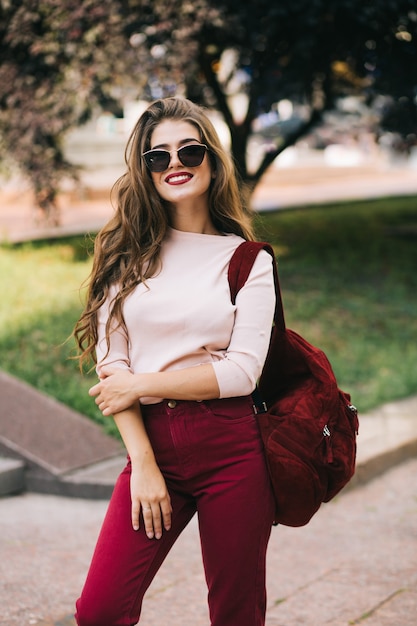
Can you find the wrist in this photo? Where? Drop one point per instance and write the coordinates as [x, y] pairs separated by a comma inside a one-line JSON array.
[[138, 386], [142, 458]]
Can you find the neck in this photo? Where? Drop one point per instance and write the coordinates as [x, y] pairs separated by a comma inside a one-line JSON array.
[[193, 221]]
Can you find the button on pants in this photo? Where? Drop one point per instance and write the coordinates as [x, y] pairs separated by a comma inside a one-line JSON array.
[[211, 456]]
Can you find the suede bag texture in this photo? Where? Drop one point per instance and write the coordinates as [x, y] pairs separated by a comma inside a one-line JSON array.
[[308, 425]]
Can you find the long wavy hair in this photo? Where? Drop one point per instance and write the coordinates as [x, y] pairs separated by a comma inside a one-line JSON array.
[[127, 249]]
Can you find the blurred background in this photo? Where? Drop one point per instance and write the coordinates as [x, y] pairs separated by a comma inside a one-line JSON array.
[[314, 83], [317, 102]]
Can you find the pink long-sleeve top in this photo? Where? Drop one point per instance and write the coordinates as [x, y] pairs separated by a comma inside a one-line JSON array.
[[184, 316]]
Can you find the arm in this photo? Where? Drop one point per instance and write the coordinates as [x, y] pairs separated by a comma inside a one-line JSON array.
[[119, 388], [147, 485]]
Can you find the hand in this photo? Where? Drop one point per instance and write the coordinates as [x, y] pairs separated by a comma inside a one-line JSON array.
[[115, 392], [149, 493]]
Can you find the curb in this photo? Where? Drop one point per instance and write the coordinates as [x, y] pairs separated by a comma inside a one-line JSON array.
[[12, 476], [387, 437]]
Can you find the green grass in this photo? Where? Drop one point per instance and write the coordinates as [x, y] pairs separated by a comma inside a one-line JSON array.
[[44, 299], [349, 284]]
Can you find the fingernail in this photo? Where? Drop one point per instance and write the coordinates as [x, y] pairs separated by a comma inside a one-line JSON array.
[[150, 535]]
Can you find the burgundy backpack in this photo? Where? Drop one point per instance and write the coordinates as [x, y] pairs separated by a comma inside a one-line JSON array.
[[308, 425]]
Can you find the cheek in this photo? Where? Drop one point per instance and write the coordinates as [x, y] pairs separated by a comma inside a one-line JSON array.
[[206, 173], [155, 178], [157, 183]]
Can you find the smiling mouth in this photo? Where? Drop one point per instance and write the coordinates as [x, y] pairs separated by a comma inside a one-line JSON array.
[[178, 179]]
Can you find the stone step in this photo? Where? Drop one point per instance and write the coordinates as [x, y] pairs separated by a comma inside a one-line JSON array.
[[12, 476], [53, 441]]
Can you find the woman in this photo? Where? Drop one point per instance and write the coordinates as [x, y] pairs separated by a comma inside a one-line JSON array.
[[177, 362]]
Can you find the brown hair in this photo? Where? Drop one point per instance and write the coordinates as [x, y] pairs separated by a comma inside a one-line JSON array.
[[127, 249]]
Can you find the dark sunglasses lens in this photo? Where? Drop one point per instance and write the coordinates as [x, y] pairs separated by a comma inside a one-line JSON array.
[[191, 156], [157, 160]]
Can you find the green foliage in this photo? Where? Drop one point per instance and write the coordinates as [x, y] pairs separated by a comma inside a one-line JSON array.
[[349, 286], [43, 282], [60, 60], [313, 53], [348, 281]]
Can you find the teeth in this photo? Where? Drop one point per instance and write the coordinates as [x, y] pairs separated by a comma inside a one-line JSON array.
[[176, 179]]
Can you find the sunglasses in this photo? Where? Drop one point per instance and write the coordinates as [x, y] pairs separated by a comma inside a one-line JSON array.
[[190, 156]]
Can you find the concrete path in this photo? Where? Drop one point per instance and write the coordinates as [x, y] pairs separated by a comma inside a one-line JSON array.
[[354, 563]]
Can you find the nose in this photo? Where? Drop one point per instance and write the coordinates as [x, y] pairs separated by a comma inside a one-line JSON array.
[[174, 160]]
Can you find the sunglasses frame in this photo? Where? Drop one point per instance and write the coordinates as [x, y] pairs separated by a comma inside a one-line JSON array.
[[170, 152]]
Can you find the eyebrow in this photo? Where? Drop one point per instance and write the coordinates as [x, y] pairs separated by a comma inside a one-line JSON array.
[[182, 142]]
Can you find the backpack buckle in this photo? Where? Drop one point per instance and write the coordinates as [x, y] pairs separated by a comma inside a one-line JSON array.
[[259, 408]]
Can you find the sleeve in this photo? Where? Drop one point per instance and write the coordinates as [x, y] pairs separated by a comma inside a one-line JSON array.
[[237, 373], [117, 354]]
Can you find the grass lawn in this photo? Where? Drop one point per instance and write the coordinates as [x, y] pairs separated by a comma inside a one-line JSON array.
[[349, 284]]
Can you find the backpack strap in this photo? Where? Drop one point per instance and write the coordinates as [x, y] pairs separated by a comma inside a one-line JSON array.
[[240, 267]]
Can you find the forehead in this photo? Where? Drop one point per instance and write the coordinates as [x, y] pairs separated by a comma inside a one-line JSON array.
[[173, 133]]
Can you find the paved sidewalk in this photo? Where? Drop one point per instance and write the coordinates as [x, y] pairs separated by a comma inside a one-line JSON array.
[[354, 563]]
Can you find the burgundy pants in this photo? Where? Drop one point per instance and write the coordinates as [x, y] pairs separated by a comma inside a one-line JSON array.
[[211, 456]]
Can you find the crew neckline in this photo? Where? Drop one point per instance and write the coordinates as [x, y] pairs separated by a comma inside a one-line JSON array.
[[189, 233]]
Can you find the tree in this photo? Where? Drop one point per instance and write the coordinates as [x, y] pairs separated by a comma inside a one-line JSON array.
[[61, 59], [310, 52], [58, 60]]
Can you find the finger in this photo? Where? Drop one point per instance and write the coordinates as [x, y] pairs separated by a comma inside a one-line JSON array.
[[108, 371], [166, 509], [157, 522], [94, 391], [148, 520], [135, 514], [103, 407]]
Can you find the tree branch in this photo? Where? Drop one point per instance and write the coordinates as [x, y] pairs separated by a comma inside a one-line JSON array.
[[292, 138]]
